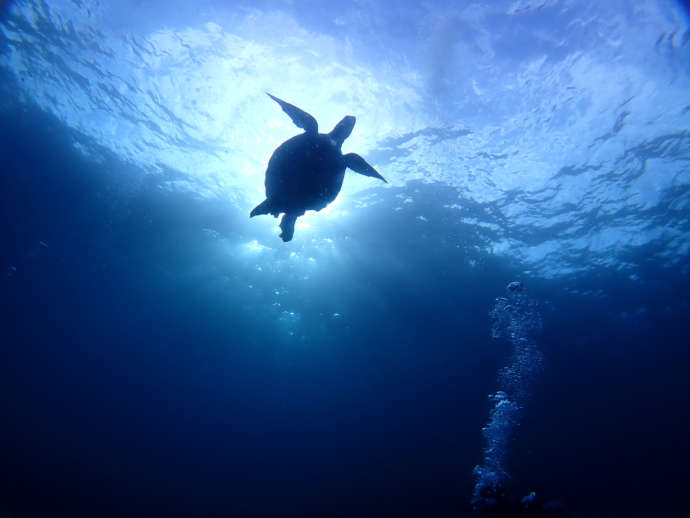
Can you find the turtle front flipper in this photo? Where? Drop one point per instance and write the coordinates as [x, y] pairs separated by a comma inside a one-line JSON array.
[[301, 118], [359, 165], [287, 225]]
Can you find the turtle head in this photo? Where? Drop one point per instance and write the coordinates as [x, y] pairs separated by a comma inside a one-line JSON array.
[[343, 129]]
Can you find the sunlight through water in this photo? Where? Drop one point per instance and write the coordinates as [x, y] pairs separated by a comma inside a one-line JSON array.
[[571, 141]]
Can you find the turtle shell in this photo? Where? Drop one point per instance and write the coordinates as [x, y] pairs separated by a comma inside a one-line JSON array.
[[304, 173]]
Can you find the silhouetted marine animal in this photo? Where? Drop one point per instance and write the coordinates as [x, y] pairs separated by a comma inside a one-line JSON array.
[[306, 172]]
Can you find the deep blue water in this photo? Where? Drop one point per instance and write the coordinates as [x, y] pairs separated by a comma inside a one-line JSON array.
[[164, 355]]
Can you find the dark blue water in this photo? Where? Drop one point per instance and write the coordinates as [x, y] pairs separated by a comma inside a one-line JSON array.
[[129, 391], [163, 355]]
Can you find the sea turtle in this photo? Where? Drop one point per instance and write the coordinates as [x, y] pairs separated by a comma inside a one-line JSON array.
[[306, 172]]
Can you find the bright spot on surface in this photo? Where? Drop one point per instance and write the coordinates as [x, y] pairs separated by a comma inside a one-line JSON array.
[[332, 208], [276, 123], [255, 246], [336, 213], [302, 224]]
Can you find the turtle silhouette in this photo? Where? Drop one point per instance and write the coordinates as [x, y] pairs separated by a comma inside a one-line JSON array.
[[306, 172]]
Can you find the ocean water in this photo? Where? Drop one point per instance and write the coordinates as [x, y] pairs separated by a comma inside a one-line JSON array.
[[501, 330]]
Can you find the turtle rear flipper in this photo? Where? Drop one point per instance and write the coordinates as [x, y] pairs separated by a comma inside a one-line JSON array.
[[359, 165], [287, 225], [262, 208], [301, 118]]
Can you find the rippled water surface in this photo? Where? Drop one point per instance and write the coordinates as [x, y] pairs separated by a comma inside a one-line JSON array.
[[561, 126]]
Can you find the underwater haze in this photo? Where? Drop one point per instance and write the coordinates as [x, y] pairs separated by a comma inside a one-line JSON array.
[[499, 330]]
